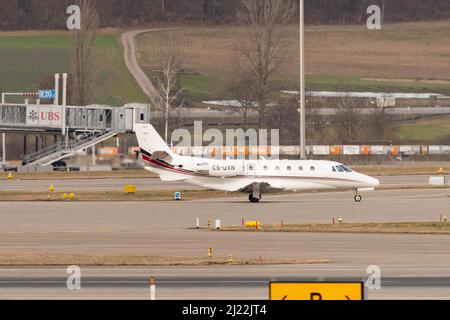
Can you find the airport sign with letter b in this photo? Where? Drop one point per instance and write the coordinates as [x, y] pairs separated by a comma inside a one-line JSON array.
[[316, 291]]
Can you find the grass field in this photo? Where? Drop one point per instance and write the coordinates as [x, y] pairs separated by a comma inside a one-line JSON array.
[[408, 57], [435, 129], [389, 227], [53, 259], [353, 83], [117, 196], [159, 195], [28, 57], [55, 175]]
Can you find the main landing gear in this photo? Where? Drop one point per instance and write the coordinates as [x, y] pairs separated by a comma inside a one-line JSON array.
[[358, 198], [253, 199], [255, 196]]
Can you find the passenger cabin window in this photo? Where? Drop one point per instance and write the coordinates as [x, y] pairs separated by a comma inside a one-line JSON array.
[[277, 168], [300, 168], [313, 168], [250, 168], [289, 168], [265, 168]]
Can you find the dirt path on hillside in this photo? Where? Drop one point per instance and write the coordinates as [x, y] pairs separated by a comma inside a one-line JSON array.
[[132, 63]]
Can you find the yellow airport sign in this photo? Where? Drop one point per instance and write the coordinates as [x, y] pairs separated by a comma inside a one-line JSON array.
[[316, 291]]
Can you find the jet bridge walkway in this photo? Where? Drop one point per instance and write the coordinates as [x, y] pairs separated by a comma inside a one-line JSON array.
[[79, 127]]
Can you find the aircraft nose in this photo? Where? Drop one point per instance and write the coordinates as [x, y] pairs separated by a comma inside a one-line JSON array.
[[373, 182], [368, 181]]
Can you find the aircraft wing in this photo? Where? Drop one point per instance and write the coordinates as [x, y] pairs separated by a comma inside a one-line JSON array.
[[264, 187], [247, 185]]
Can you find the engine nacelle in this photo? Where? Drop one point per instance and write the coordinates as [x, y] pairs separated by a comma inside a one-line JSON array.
[[226, 169]]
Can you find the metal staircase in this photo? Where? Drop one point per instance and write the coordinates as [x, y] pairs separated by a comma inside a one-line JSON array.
[[61, 149]]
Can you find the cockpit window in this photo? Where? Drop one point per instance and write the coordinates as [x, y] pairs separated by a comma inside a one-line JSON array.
[[343, 168], [334, 169], [346, 169]]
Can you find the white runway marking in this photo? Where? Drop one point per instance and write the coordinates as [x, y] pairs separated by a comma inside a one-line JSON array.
[[424, 196]]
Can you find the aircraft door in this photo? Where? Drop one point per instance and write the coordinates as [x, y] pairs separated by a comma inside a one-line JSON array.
[[251, 168]]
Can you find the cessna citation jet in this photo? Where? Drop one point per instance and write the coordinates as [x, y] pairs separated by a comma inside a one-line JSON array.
[[254, 177]]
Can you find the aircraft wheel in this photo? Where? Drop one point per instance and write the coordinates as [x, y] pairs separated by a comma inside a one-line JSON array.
[[252, 199], [358, 198]]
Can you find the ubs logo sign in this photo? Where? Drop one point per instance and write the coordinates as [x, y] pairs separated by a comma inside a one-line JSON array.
[[44, 116], [49, 116], [33, 116]]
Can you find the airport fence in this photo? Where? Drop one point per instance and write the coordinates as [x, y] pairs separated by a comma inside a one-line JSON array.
[[334, 150]]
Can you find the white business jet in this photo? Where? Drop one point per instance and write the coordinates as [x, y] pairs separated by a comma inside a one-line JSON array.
[[254, 177]]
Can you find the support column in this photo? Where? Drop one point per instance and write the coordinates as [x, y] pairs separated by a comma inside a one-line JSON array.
[[25, 138], [4, 148], [64, 104], [302, 83], [36, 147], [56, 101], [94, 156]]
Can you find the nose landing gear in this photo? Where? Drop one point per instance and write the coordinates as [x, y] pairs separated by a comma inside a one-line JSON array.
[[358, 197], [253, 199]]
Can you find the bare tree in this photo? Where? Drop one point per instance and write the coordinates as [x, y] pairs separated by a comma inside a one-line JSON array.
[[163, 9], [348, 119], [243, 91], [166, 93], [379, 123], [261, 53], [83, 66]]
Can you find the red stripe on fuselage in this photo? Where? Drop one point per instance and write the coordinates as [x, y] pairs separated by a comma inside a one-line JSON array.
[[163, 165]]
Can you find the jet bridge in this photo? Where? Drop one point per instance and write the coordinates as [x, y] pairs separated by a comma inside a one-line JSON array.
[[79, 127]]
